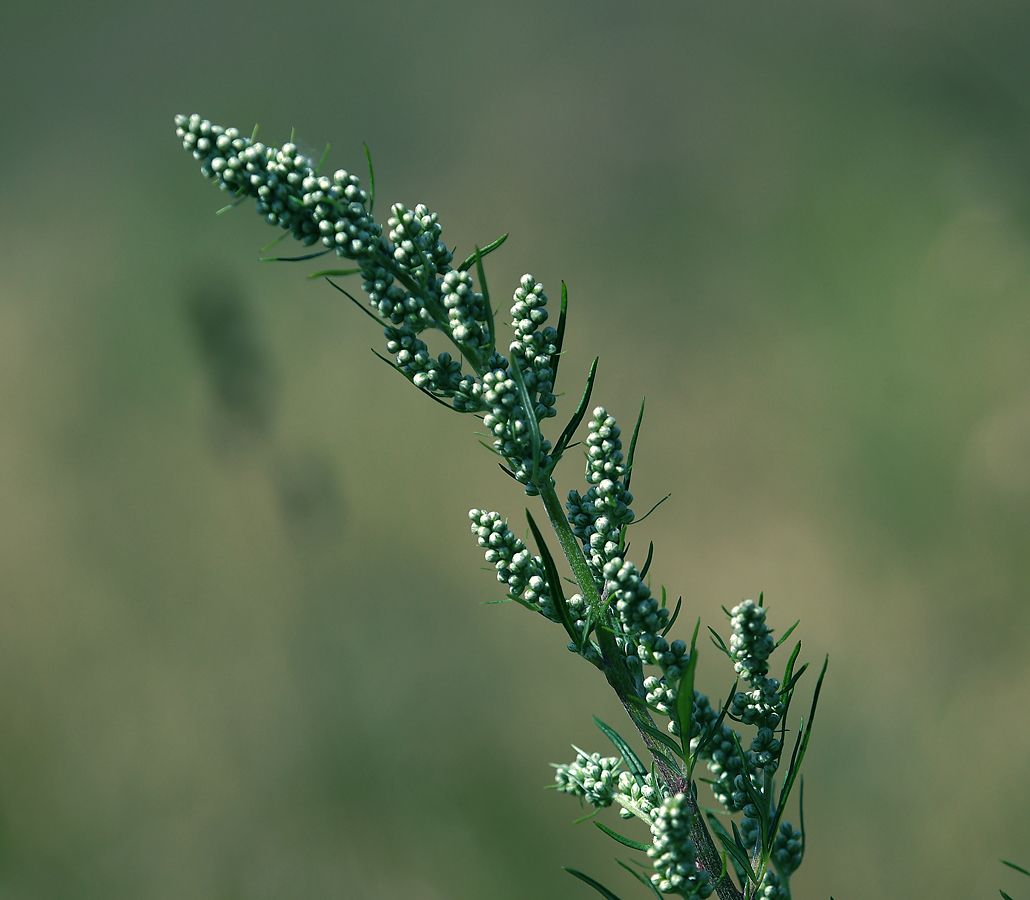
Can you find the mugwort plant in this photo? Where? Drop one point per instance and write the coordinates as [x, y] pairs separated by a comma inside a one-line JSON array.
[[746, 848]]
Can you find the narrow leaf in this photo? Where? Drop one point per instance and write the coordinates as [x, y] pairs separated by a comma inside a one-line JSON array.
[[675, 614], [719, 642], [651, 510], [661, 737], [786, 634], [371, 179], [724, 836], [294, 258], [336, 273], [799, 749], [485, 291], [553, 582], [529, 408], [685, 696], [560, 340], [622, 839], [321, 162], [489, 248], [633, 763], [577, 416], [633, 443], [647, 562], [735, 849], [368, 312], [644, 881], [1005, 862], [597, 886]]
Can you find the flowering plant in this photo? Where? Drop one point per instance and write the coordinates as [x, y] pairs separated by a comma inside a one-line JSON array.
[[613, 620]]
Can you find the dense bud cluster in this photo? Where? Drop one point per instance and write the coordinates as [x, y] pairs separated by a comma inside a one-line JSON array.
[[288, 191], [417, 247], [788, 849], [598, 517], [644, 797], [515, 565], [762, 706], [751, 641], [772, 889], [673, 851], [591, 776]]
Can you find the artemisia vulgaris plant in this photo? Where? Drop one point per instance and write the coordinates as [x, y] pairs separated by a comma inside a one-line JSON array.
[[745, 849]]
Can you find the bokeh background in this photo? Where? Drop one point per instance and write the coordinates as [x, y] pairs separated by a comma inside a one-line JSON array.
[[243, 646]]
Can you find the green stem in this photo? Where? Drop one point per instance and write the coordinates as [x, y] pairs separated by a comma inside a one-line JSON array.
[[570, 546]]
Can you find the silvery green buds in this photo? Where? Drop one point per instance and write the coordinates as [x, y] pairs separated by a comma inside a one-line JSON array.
[[673, 851], [591, 777]]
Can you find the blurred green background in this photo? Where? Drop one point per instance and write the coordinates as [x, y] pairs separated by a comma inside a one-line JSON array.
[[242, 647]]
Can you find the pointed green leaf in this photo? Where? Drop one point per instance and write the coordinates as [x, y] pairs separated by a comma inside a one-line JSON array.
[[647, 562], [577, 417], [560, 339], [738, 854], [718, 641], [799, 749], [321, 162], [529, 409], [553, 582], [371, 179], [489, 248], [644, 881], [661, 737], [651, 510], [368, 312], [724, 837], [633, 763], [622, 839], [674, 616], [485, 291], [685, 697], [294, 258], [1005, 862], [786, 634], [633, 443], [597, 886], [335, 273]]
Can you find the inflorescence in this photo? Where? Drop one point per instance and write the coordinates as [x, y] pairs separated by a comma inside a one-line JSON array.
[[614, 621]]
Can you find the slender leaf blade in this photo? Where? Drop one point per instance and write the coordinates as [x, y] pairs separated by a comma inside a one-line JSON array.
[[622, 839], [596, 885]]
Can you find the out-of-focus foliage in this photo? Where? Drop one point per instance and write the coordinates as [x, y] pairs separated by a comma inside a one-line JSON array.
[[827, 208]]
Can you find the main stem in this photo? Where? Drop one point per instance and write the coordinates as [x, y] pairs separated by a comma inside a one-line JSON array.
[[623, 684]]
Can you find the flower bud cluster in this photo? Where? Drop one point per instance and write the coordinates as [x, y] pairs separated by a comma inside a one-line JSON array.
[[509, 425], [751, 641], [662, 697], [288, 191], [515, 565], [641, 617], [772, 889], [750, 646], [534, 347], [673, 851], [644, 797], [598, 517], [533, 351], [591, 777], [417, 248], [725, 764], [334, 210], [787, 849]]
